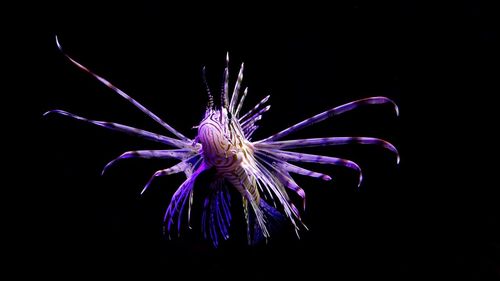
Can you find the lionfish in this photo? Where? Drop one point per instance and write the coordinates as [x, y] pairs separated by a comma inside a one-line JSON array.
[[260, 171]]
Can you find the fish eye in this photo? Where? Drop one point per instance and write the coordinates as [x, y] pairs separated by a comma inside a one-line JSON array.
[[229, 115]]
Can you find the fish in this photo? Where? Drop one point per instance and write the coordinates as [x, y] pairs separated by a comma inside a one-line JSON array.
[[258, 171]]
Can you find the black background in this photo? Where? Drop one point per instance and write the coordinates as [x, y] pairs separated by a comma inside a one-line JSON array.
[[432, 214]]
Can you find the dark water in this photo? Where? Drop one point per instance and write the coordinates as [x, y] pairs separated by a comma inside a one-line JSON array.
[[431, 215]]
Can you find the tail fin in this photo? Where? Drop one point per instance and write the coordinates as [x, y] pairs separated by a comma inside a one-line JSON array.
[[274, 220], [216, 216]]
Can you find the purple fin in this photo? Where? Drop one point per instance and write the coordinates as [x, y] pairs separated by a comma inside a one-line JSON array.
[[179, 199], [148, 154], [320, 159], [126, 129], [236, 91], [300, 143], [253, 110], [216, 216], [240, 104], [124, 95], [330, 113]]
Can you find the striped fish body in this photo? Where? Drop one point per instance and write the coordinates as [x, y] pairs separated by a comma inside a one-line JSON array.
[[225, 148]]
